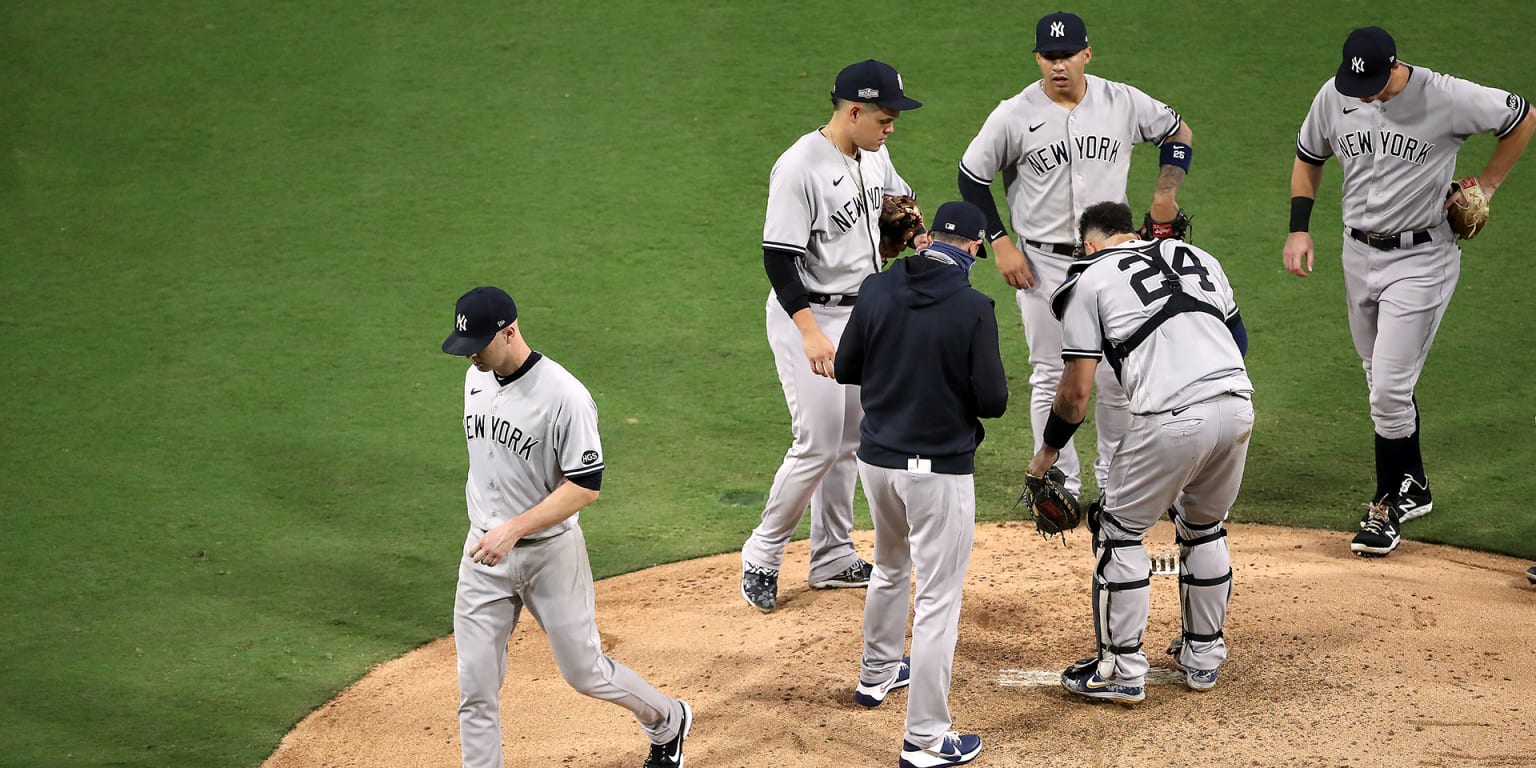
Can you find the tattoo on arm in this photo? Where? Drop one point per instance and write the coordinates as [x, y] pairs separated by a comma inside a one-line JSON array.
[[1169, 178]]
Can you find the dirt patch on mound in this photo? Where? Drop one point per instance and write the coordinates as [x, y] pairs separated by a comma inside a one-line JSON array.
[[1425, 658]]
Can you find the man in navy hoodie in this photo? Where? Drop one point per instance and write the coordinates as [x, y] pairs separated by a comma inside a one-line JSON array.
[[922, 344]]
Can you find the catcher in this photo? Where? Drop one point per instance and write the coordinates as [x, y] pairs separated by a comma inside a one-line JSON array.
[[1161, 314]]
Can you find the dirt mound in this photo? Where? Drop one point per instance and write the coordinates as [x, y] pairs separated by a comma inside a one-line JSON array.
[[1424, 658]]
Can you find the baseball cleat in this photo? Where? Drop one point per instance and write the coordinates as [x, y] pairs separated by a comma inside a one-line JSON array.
[[1380, 534], [1083, 679], [871, 694], [951, 749], [856, 575], [760, 586], [670, 754], [1201, 680], [1413, 500], [1530, 574]]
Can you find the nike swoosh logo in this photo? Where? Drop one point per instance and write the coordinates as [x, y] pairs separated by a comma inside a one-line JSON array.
[[1348, 110], [1035, 127], [474, 391], [1179, 411], [1101, 684], [838, 180]]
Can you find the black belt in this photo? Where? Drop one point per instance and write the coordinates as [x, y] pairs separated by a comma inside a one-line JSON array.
[[832, 299], [1390, 242], [1060, 249]]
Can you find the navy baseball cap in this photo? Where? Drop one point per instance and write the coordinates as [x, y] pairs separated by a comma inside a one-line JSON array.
[[477, 318], [964, 219], [873, 82], [1061, 31], [1369, 54]]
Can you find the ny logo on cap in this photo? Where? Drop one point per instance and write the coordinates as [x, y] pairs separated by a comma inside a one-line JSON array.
[[1357, 65], [1058, 29], [462, 323]]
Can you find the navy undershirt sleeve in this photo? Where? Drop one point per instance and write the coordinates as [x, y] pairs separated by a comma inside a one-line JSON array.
[[780, 266]]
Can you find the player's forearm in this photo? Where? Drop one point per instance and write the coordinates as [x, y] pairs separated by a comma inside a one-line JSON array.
[[1508, 151], [1076, 387], [567, 499], [1305, 179], [805, 321], [1174, 166]]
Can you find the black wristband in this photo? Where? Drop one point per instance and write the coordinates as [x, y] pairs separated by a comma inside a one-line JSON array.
[[1301, 213], [1058, 430]]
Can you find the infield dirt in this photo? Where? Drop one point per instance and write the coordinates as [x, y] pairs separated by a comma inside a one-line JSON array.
[[1424, 658]]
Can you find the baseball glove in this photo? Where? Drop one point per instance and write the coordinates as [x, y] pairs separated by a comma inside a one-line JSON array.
[[1053, 507], [900, 221], [1162, 230], [1469, 214]]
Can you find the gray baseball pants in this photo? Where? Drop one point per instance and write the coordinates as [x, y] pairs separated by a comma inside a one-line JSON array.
[[1194, 461], [925, 523], [818, 469], [553, 579], [1396, 302]]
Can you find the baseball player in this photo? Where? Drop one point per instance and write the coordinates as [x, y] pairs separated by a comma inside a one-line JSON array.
[[1062, 144], [535, 461], [1161, 314], [821, 239], [1396, 130], [922, 346]]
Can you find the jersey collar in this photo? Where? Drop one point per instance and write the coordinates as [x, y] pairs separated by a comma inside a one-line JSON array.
[[533, 357]]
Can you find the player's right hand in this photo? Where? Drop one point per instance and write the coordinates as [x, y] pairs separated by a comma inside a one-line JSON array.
[[1011, 263], [1298, 253], [819, 351]]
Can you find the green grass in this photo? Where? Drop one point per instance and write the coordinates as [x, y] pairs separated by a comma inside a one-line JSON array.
[[231, 234]]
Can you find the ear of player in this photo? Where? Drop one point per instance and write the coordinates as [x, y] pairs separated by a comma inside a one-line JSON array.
[[1053, 507]]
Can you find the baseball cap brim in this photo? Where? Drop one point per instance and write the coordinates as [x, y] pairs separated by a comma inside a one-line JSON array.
[[901, 103], [1357, 86], [1060, 47], [462, 346]]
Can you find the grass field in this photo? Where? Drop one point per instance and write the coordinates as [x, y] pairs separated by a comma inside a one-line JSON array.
[[231, 235]]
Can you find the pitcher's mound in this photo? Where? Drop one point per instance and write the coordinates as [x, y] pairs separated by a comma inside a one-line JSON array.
[[1424, 658]]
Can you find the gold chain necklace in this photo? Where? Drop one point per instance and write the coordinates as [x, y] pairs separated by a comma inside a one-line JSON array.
[[863, 192]]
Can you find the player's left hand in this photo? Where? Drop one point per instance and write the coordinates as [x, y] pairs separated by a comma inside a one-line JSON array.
[[1164, 208], [1298, 251], [1044, 459], [494, 545]]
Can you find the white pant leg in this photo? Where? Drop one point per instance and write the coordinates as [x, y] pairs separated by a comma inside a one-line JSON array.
[[832, 504], [1042, 333], [557, 587], [820, 414], [1396, 302], [1111, 417], [924, 523], [485, 612]]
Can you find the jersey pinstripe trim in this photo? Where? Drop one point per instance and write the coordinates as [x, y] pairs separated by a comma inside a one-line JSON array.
[[582, 472], [1308, 156], [1521, 109], [1178, 120], [1081, 354], [798, 250], [973, 177]]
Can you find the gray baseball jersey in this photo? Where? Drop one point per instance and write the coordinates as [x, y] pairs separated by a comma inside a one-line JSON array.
[[1399, 155], [1055, 162], [826, 206], [1110, 296], [525, 440], [526, 435]]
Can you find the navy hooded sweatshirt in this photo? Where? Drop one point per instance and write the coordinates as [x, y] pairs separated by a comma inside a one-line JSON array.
[[922, 344]]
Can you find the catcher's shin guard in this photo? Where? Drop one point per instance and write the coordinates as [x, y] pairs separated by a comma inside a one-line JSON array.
[[1121, 598], [1205, 590]]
